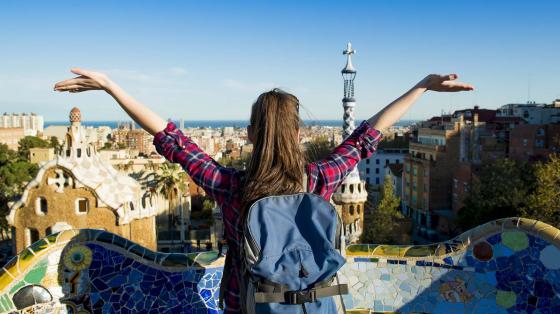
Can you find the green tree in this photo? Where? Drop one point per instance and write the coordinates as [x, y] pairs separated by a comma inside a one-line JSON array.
[[318, 148], [395, 142], [382, 224], [54, 143], [15, 173], [500, 190], [543, 203], [170, 182], [107, 145], [28, 142]]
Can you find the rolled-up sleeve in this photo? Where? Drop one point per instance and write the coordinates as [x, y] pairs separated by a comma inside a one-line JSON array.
[[214, 179], [328, 174]]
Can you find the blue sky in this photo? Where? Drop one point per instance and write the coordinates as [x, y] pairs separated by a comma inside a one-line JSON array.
[[210, 59]]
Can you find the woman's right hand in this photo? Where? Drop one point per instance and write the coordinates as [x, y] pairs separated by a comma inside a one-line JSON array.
[[444, 83], [87, 80]]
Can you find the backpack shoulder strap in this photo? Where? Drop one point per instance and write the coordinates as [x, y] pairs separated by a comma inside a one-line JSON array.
[[305, 182]]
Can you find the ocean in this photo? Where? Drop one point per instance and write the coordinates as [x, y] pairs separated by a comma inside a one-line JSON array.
[[218, 123]]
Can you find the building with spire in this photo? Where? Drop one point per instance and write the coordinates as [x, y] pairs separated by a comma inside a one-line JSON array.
[[350, 197], [76, 190]]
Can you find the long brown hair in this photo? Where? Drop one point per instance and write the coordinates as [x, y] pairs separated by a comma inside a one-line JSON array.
[[276, 165]]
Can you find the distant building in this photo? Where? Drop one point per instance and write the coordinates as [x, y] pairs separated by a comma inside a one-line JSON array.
[[372, 168], [134, 139], [58, 131], [32, 124], [534, 142], [442, 161], [78, 190], [532, 112], [38, 155], [11, 137]]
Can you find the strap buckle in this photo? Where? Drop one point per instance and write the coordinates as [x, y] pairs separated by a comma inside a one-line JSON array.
[[300, 297]]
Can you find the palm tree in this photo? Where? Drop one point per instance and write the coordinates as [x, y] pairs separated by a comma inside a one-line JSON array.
[[171, 182]]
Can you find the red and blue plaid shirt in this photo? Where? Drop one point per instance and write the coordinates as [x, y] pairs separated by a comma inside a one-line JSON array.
[[224, 184]]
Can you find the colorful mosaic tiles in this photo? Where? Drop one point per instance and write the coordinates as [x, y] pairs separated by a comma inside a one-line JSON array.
[[507, 266]]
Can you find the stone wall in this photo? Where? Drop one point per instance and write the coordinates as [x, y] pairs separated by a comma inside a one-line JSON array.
[[506, 266]]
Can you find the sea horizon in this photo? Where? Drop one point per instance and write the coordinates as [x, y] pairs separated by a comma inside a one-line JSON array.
[[216, 123]]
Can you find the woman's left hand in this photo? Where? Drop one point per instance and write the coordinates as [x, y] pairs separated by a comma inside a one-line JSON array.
[[444, 83]]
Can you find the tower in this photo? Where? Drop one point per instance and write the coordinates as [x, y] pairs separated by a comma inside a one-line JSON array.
[[348, 102], [351, 196]]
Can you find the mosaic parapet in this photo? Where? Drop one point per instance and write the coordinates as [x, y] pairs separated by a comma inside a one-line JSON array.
[[505, 266], [509, 265], [93, 271]]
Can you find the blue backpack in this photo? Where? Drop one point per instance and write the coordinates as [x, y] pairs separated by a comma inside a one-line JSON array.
[[290, 256]]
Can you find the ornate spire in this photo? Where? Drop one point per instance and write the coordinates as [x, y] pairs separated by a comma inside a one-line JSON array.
[[75, 115], [348, 74]]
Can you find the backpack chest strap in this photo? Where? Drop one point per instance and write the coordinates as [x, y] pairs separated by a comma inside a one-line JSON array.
[[269, 292]]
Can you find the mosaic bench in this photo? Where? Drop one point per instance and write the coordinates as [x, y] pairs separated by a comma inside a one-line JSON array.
[[506, 266]]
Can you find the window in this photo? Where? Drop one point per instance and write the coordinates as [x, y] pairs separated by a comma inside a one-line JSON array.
[[540, 132], [376, 180], [79, 152], [352, 188], [367, 170], [377, 161], [367, 161], [351, 209], [376, 170], [386, 161], [343, 188], [82, 206], [415, 171], [539, 143], [358, 209], [32, 236], [48, 231], [41, 206], [397, 161]]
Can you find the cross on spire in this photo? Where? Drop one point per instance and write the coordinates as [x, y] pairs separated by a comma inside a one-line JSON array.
[[349, 68], [349, 51]]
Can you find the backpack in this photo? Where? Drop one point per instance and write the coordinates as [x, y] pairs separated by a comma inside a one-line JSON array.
[[290, 256]]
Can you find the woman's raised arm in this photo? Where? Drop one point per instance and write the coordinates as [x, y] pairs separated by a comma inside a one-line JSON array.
[[90, 80], [395, 110]]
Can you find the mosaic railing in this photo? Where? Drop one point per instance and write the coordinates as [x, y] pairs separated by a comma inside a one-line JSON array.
[[505, 266]]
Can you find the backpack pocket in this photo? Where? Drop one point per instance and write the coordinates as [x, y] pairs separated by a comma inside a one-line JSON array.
[[298, 268]]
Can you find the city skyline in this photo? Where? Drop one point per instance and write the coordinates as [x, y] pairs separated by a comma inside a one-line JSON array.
[[206, 62]]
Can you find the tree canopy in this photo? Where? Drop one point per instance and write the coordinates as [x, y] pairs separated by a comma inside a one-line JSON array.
[[15, 173], [28, 142], [507, 188], [381, 225], [318, 148]]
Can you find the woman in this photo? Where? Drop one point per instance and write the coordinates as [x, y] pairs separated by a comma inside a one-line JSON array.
[[277, 163]]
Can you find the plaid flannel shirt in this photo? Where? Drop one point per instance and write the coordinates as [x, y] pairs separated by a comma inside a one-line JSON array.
[[223, 184]]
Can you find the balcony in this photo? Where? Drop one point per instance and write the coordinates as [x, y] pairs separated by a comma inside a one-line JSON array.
[[508, 265]]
